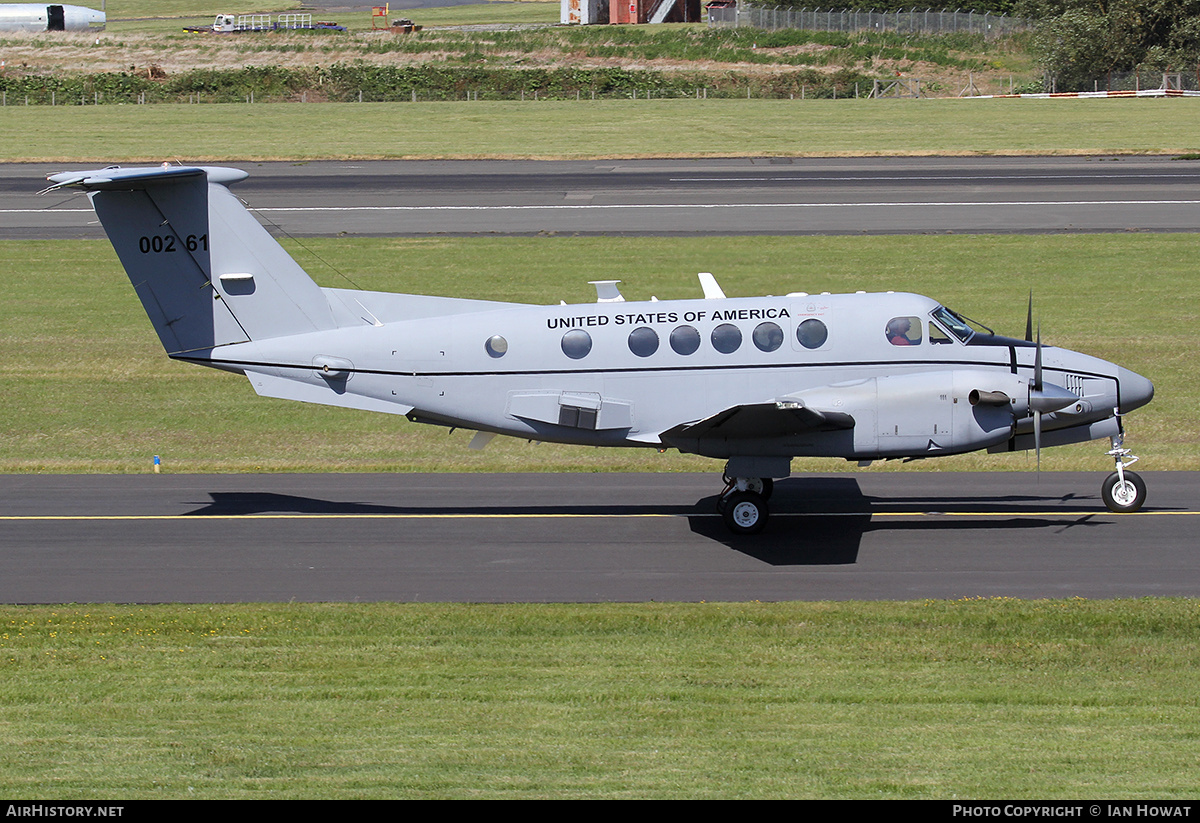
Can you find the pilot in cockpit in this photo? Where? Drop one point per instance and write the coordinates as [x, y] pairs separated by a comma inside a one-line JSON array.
[[897, 332]]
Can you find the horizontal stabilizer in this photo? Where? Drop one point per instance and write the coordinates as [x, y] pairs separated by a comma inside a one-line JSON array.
[[119, 179], [307, 391]]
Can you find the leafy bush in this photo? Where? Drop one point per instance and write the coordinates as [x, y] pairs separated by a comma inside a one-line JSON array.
[[350, 83], [1079, 41], [977, 6]]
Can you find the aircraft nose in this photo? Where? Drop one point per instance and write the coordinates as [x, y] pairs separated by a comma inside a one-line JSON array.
[[1135, 390]]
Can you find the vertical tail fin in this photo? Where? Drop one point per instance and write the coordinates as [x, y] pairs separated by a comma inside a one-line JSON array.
[[206, 272]]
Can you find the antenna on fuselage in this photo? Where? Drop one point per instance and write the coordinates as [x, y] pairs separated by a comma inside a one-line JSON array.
[[712, 291], [607, 291]]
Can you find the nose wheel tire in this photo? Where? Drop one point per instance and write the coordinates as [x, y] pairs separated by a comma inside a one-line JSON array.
[[744, 512], [1123, 495]]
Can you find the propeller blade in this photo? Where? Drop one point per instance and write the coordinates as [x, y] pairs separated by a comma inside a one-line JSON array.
[[1036, 389], [1037, 360], [1043, 396], [1029, 320], [1037, 439]]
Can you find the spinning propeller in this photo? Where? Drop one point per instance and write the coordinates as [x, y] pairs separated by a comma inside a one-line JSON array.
[[1043, 397]]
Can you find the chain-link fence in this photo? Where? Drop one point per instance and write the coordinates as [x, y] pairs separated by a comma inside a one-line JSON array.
[[914, 21], [1143, 80]]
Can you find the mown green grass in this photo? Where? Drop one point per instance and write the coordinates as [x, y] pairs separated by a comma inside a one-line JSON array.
[[966, 699], [86, 387], [118, 10], [137, 16], [167, 16], [545, 129]]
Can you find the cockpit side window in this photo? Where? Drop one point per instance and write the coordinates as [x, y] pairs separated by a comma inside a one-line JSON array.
[[904, 331], [957, 324], [936, 335]]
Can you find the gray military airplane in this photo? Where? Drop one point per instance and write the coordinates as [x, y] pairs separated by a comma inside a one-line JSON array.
[[753, 381]]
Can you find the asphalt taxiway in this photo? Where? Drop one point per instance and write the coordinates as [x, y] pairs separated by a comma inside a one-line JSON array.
[[790, 196], [586, 537]]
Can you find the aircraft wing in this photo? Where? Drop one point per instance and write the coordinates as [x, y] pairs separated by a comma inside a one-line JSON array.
[[782, 418]]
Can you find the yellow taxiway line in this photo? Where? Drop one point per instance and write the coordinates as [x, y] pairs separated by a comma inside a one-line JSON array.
[[561, 515]]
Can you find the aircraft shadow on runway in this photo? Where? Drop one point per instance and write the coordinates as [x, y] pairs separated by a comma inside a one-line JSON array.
[[815, 521]]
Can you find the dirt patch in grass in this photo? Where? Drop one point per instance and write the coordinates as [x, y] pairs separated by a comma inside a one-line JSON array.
[[160, 55], [135, 53]]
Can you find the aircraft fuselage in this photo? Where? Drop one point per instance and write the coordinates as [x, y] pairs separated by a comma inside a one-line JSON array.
[[627, 374]]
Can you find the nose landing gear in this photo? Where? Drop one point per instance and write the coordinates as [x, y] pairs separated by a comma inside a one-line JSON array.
[[1123, 491]]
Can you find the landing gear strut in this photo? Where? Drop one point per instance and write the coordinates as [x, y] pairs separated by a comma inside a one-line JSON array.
[[1123, 491], [743, 503]]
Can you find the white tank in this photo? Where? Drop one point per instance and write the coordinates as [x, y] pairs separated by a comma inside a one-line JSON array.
[[37, 17]]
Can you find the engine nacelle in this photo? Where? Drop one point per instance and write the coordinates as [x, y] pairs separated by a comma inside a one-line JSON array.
[[940, 412]]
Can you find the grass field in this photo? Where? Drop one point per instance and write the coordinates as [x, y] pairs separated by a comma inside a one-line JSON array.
[[122, 12], [149, 18], [971, 699], [558, 129]]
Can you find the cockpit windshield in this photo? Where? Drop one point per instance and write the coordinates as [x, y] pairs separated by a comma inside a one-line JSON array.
[[964, 328]]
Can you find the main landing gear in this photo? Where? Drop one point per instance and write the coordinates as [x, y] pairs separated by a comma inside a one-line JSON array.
[[1123, 491], [743, 503]]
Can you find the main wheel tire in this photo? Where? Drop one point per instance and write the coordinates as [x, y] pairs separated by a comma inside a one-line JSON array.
[[768, 487], [1127, 496], [745, 513], [762, 486]]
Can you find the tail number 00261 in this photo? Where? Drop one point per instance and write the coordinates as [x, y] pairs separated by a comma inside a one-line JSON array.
[[160, 244]]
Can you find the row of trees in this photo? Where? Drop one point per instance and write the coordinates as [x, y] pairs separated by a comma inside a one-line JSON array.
[[1078, 41], [978, 6]]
